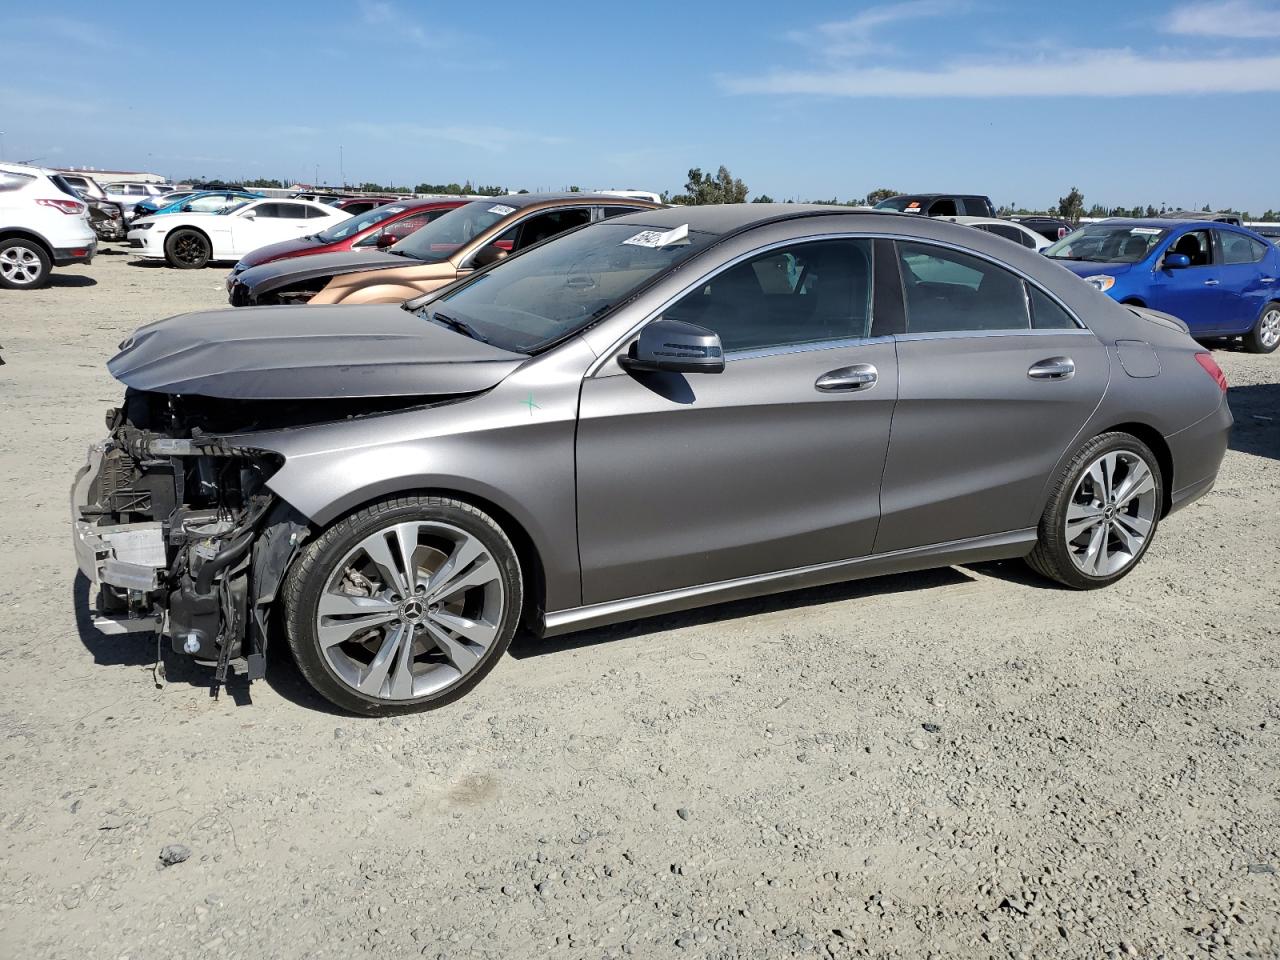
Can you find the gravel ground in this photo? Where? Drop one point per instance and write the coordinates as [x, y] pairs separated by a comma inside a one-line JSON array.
[[961, 763]]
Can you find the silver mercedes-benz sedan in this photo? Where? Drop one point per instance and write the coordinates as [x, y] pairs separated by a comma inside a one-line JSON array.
[[649, 413]]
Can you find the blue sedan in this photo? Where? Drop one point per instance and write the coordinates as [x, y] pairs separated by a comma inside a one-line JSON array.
[[1220, 280], [201, 201]]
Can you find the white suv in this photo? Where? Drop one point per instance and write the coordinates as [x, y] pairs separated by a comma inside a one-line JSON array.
[[40, 227]]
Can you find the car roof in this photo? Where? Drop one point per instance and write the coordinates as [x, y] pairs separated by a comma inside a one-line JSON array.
[[1164, 223], [520, 200], [935, 196], [975, 220], [728, 217]]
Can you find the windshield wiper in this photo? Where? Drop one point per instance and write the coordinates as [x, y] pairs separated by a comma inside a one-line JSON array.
[[458, 326], [1063, 256]]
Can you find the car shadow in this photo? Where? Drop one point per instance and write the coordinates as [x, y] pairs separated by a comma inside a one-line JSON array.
[[527, 645], [142, 650], [1256, 408], [71, 280]]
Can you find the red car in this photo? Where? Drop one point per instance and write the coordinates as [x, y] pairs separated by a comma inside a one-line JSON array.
[[373, 229]]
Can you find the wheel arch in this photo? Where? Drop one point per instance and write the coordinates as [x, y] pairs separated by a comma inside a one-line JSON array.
[[194, 229], [1164, 456], [1134, 301], [21, 233], [532, 566]]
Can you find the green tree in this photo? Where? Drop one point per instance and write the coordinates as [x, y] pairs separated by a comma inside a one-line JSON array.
[[880, 193], [1071, 207], [764, 198], [704, 188]]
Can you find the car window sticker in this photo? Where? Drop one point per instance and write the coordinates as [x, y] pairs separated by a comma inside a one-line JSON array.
[[501, 209], [658, 238]]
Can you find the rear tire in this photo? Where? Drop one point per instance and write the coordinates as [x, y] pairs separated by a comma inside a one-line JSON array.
[[374, 641], [187, 249], [1265, 335], [24, 264], [1102, 513]]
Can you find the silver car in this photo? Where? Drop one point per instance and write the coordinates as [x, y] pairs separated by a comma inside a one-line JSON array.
[[653, 412]]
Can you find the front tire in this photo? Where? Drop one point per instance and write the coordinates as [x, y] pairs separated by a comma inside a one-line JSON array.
[[187, 249], [24, 265], [1265, 335], [1102, 513], [404, 605]]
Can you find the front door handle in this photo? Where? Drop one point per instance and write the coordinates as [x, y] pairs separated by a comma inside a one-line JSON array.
[[860, 376], [1211, 283], [1268, 279], [1055, 368]]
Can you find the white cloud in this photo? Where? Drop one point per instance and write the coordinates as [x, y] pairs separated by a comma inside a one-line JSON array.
[[380, 13], [1241, 19], [1083, 73], [854, 36]]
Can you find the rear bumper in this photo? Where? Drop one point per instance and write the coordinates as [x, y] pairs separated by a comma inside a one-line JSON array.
[[1197, 453], [64, 256], [128, 557]]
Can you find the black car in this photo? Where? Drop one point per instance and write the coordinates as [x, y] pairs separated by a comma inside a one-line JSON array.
[[1051, 228], [940, 204]]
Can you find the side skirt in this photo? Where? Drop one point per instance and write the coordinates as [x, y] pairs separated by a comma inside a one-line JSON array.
[[1000, 546]]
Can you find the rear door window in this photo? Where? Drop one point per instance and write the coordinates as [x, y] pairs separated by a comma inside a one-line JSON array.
[[948, 291], [1237, 248], [544, 225]]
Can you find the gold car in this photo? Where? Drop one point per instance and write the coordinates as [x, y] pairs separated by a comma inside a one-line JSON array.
[[464, 239]]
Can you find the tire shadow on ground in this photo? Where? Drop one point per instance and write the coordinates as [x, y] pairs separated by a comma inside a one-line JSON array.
[[71, 280]]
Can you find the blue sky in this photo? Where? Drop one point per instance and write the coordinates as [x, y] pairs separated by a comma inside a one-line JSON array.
[[1138, 102]]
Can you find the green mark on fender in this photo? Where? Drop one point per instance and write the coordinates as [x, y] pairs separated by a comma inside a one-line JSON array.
[[531, 405]]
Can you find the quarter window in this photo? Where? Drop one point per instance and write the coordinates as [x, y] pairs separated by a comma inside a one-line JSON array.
[[951, 291], [1046, 314], [807, 293]]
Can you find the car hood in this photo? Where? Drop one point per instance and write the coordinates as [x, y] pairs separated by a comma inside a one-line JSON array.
[[278, 273], [303, 352], [1092, 268], [298, 246]]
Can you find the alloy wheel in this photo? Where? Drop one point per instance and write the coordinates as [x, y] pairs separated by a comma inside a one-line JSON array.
[[20, 265], [1111, 514], [411, 610], [188, 248], [1269, 329]]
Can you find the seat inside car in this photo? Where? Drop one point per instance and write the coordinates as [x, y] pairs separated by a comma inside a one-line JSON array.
[[1194, 247]]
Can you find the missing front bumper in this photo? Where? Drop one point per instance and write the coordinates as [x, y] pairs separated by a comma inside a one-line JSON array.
[[128, 557]]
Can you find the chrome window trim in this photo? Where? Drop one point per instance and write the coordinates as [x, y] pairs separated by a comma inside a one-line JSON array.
[[814, 345], [979, 334], [611, 353]]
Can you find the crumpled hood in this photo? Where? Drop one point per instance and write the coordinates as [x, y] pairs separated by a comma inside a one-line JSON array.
[[271, 276], [295, 247], [304, 352]]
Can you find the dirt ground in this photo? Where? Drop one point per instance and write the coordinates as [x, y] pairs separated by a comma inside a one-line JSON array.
[[961, 763]]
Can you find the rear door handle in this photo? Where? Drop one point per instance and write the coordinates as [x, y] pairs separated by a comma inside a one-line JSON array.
[[1268, 279], [1211, 283], [860, 376], [1055, 368]]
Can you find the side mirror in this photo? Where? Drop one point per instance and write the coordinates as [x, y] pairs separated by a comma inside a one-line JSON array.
[[487, 255], [1176, 261], [250, 215], [385, 240], [675, 346]]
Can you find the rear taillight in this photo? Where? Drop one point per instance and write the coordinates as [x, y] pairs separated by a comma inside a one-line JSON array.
[[1212, 369], [66, 206]]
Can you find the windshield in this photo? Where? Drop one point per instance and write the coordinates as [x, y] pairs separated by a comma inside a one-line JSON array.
[[1108, 243], [549, 292], [168, 198], [364, 221], [900, 204], [438, 239]]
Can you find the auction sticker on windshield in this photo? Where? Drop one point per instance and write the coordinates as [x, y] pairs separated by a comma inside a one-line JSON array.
[[501, 209], [659, 238], [1146, 231]]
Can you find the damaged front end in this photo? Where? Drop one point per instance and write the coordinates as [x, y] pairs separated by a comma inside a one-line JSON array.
[[177, 532]]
